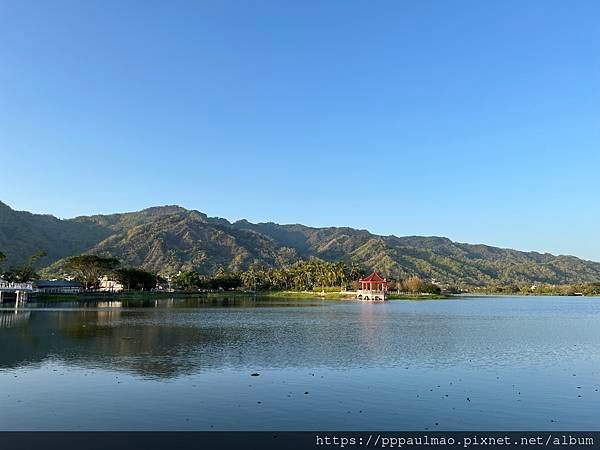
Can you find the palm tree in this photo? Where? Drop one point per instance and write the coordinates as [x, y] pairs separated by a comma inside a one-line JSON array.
[[342, 273], [356, 271]]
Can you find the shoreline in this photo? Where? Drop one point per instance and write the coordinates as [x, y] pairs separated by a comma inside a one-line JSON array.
[[289, 295], [338, 295], [292, 295]]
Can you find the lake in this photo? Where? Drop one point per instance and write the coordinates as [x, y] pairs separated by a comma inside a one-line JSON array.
[[507, 363]]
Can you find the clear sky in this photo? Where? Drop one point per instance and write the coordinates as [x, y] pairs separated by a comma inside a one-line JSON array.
[[479, 121]]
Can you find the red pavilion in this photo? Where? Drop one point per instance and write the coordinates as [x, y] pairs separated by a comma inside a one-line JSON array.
[[373, 287]]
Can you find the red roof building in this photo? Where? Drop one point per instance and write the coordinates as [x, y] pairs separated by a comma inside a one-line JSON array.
[[373, 282]]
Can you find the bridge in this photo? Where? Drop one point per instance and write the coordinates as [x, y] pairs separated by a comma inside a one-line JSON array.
[[21, 290]]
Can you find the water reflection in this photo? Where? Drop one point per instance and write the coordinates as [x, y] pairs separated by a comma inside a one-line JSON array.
[[9, 319], [522, 363], [111, 304], [236, 301], [169, 338]]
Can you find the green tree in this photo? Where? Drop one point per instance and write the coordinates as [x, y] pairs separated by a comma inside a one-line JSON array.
[[356, 271], [133, 278], [342, 274], [249, 278], [222, 279], [413, 284], [430, 288], [26, 272], [89, 268], [188, 280]]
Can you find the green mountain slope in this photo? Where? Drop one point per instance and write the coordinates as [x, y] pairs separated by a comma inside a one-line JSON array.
[[22, 234], [170, 238]]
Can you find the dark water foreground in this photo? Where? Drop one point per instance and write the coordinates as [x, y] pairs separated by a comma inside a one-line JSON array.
[[478, 363]]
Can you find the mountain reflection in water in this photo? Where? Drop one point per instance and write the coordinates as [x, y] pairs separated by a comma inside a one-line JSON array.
[[487, 363], [145, 338], [167, 338]]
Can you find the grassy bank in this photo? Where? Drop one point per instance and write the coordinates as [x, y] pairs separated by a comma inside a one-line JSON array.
[[337, 295], [144, 295]]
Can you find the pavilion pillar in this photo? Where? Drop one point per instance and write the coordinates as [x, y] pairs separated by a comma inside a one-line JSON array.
[[1, 297]]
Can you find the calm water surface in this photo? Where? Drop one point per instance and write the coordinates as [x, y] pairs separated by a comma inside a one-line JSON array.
[[476, 363]]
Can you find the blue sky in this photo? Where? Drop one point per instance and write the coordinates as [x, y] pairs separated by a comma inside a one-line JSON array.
[[475, 120]]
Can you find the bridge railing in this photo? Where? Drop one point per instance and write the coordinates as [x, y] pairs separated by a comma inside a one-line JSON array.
[[16, 286]]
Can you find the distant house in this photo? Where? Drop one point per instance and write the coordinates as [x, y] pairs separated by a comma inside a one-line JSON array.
[[164, 284], [108, 285], [57, 286]]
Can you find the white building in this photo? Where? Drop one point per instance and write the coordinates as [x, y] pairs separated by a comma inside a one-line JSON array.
[[109, 285]]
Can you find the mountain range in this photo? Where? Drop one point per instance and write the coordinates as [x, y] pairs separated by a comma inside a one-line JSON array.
[[167, 239]]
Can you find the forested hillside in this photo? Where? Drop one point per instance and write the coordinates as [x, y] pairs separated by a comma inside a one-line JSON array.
[[170, 238]]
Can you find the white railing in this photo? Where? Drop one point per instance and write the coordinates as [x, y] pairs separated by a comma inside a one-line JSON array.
[[371, 294], [370, 291], [16, 286]]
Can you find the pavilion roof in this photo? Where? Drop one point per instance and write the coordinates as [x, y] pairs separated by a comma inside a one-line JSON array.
[[374, 277]]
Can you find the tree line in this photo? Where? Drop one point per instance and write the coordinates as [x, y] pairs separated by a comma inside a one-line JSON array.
[[88, 269], [300, 276], [541, 289], [304, 275]]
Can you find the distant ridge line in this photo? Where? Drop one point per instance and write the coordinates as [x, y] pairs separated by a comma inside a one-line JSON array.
[[170, 238]]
